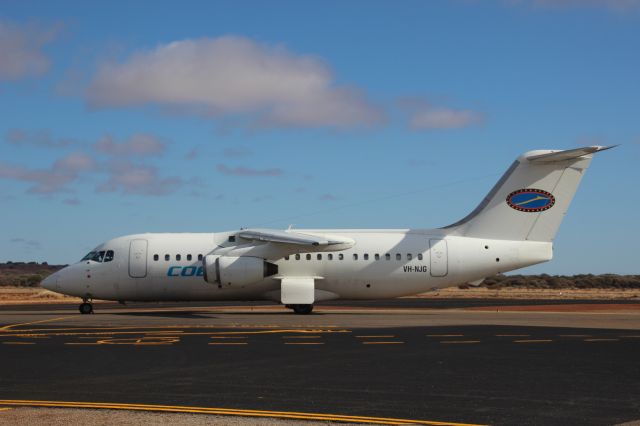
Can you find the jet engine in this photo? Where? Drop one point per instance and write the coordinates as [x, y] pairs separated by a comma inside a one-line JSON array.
[[232, 271]]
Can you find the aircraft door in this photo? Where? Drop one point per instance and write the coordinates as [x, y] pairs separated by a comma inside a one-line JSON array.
[[438, 257], [138, 259]]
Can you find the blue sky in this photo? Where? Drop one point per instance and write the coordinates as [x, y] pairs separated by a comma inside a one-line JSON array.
[[127, 117]]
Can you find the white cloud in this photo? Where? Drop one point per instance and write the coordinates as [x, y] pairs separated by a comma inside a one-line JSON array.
[[130, 178], [444, 118], [247, 171], [424, 115], [21, 48], [38, 138], [140, 144], [54, 179], [618, 6], [233, 77]]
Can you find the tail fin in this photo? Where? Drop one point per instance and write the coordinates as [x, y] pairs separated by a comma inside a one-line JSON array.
[[531, 198]]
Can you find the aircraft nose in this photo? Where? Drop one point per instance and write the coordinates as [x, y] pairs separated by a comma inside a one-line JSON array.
[[50, 283]]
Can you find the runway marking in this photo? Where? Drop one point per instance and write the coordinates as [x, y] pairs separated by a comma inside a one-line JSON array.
[[388, 336], [304, 343], [446, 342], [83, 343], [513, 335], [533, 341], [229, 412], [574, 335], [382, 343], [445, 335], [142, 341], [229, 337], [9, 327], [228, 343], [18, 343], [302, 337], [601, 340], [5, 408]]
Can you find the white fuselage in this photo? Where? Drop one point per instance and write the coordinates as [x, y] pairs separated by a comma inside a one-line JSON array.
[[380, 264]]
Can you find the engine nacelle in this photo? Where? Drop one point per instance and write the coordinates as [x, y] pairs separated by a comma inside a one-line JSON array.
[[232, 271]]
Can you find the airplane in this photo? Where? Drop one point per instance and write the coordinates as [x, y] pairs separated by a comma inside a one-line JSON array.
[[513, 226]]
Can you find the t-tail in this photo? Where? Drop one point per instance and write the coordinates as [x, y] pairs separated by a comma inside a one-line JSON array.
[[530, 200]]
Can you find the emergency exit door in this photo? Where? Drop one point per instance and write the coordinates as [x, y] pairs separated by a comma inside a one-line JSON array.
[[438, 257], [138, 259]]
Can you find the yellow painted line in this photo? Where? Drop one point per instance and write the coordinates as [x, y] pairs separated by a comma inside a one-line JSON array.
[[228, 343], [382, 343], [5, 408], [229, 411], [382, 336], [513, 335], [18, 343], [83, 344], [460, 342], [601, 340], [229, 337], [303, 343], [29, 336], [9, 327], [533, 341], [445, 335], [302, 337], [574, 335]]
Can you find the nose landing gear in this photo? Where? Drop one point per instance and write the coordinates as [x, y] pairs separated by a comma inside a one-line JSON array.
[[85, 307]]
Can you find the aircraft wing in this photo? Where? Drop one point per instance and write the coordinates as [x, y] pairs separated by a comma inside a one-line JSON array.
[[293, 237]]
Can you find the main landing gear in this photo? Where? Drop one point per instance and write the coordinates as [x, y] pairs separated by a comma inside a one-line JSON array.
[[85, 307], [301, 309]]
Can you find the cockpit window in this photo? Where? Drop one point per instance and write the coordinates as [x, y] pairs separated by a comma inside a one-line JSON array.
[[108, 257], [89, 256], [97, 256]]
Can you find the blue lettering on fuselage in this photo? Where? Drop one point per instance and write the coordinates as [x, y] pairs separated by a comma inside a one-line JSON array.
[[185, 271]]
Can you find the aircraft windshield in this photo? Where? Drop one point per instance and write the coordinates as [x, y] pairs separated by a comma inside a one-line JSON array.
[[99, 256]]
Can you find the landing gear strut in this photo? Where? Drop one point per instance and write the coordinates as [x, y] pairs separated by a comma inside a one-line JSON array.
[[85, 308], [301, 309]]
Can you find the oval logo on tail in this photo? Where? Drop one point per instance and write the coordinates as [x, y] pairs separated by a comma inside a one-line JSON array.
[[530, 200]]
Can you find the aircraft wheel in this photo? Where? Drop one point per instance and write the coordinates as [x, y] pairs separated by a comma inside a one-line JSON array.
[[302, 309], [86, 308]]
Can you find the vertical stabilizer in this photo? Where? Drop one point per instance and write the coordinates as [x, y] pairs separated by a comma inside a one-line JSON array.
[[531, 199]]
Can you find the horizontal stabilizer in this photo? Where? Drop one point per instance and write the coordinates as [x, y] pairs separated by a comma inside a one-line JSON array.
[[567, 154]]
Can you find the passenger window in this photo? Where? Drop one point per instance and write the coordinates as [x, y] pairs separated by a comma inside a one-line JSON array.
[[298, 256], [419, 256], [387, 256], [330, 256], [286, 257], [341, 256], [178, 257], [319, 256], [109, 256], [199, 257], [398, 256], [308, 256], [366, 256], [409, 257], [355, 256], [189, 257], [156, 257], [232, 238], [377, 256], [167, 257]]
